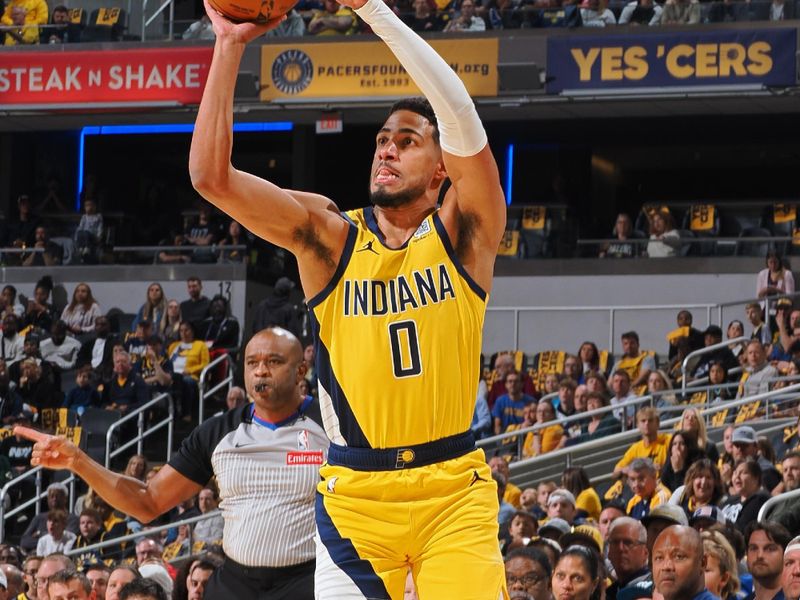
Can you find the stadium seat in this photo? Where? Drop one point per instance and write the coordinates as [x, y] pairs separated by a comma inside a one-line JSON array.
[[95, 423], [782, 223], [745, 248], [729, 228], [703, 221], [68, 247], [544, 363], [510, 245], [105, 25], [687, 249], [120, 321], [536, 227]]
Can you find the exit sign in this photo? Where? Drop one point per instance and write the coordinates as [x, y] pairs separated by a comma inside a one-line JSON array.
[[330, 124]]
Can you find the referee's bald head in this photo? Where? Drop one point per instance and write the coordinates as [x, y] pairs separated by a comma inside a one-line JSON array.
[[282, 337], [273, 367]]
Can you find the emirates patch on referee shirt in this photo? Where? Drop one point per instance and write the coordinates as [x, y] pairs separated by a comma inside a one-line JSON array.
[[304, 458]]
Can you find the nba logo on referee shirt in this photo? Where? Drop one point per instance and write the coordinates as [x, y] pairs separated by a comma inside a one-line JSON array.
[[302, 439]]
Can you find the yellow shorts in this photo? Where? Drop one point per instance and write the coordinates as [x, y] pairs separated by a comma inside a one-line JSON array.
[[439, 520]]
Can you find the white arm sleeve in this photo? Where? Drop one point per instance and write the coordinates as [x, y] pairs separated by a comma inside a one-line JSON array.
[[460, 130]]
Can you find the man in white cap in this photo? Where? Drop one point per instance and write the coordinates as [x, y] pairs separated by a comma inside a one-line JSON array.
[[745, 445], [561, 504], [790, 579]]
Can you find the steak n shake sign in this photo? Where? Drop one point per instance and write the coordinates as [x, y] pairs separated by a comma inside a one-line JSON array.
[[108, 77]]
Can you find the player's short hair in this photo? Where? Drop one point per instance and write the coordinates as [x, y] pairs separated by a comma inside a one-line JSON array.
[[420, 106]]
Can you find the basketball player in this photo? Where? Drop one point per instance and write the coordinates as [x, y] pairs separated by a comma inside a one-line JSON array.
[[397, 293], [265, 456]]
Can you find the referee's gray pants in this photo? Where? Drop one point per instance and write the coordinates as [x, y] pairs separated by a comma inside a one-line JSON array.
[[234, 581]]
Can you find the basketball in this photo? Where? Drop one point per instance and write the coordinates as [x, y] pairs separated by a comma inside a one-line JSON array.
[[256, 11]]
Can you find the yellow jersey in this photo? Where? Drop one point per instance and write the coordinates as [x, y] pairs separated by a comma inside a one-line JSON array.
[[398, 338]]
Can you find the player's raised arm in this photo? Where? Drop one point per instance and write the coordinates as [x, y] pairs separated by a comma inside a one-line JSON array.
[[131, 496], [466, 153], [301, 223]]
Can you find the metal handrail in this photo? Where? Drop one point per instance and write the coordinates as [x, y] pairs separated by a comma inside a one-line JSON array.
[[146, 21], [144, 533], [139, 439], [685, 240], [775, 501], [706, 350], [211, 248], [202, 392], [37, 472], [622, 436]]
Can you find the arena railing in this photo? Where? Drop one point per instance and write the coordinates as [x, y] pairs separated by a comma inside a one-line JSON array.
[[140, 415], [706, 350], [204, 390], [612, 445], [188, 250], [143, 534], [770, 504]]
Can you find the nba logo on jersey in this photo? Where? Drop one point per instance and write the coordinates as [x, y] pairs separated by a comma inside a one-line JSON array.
[[424, 228], [302, 440]]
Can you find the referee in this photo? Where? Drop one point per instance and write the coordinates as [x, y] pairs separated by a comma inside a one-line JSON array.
[[265, 456]]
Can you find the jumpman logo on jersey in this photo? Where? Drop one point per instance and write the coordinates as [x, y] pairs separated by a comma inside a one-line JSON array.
[[368, 248], [476, 478]]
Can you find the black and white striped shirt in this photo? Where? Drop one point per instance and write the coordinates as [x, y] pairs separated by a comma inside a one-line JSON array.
[[267, 475]]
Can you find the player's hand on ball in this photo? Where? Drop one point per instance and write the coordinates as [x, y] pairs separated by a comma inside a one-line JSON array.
[[49, 450], [242, 33]]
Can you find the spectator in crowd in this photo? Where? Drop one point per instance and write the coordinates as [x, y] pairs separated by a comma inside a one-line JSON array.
[[57, 539], [174, 254], [528, 571], [119, 578], [481, 424], [22, 231], [509, 408], [528, 420], [180, 546], [641, 12], [587, 501], [89, 234], [661, 517], [69, 585], [36, 391], [589, 356], [787, 513], [653, 445], [199, 574], [19, 32], [679, 564], [681, 454], [221, 329], [201, 233], [424, 18], [573, 369], [10, 302], [98, 350], [599, 425], [199, 30], [638, 364], [577, 574], [748, 495], [30, 567], [765, 542], [611, 512], [91, 532], [512, 494], [543, 491], [623, 245], [81, 312], [15, 584], [564, 404], [621, 388], [745, 445], [39, 313], [52, 253], [548, 438], [685, 330], [11, 343], [98, 573], [293, 26], [10, 400], [136, 343], [736, 330], [277, 310], [711, 336], [775, 279], [189, 357], [660, 387], [506, 511], [692, 421], [208, 531], [60, 350], [197, 307], [49, 566], [627, 552], [56, 500], [235, 236], [758, 372], [153, 310], [561, 505], [681, 12], [466, 19], [127, 391], [154, 367], [154, 570], [235, 398], [333, 20], [172, 322], [788, 322], [595, 13], [790, 578], [521, 528], [702, 487], [761, 331], [503, 365], [664, 238], [648, 492], [721, 574]]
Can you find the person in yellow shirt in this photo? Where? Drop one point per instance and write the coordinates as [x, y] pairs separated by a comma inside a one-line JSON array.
[[653, 444], [547, 439], [512, 494], [25, 33], [648, 491], [587, 501], [36, 12], [189, 357], [332, 20]]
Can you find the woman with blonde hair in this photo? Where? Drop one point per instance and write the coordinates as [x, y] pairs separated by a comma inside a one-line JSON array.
[[80, 314], [172, 323], [692, 421], [721, 573], [659, 386], [153, 309]]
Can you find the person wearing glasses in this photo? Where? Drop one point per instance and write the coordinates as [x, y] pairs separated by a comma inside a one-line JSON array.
[[627, 551], [528, 573], [49, 566]]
